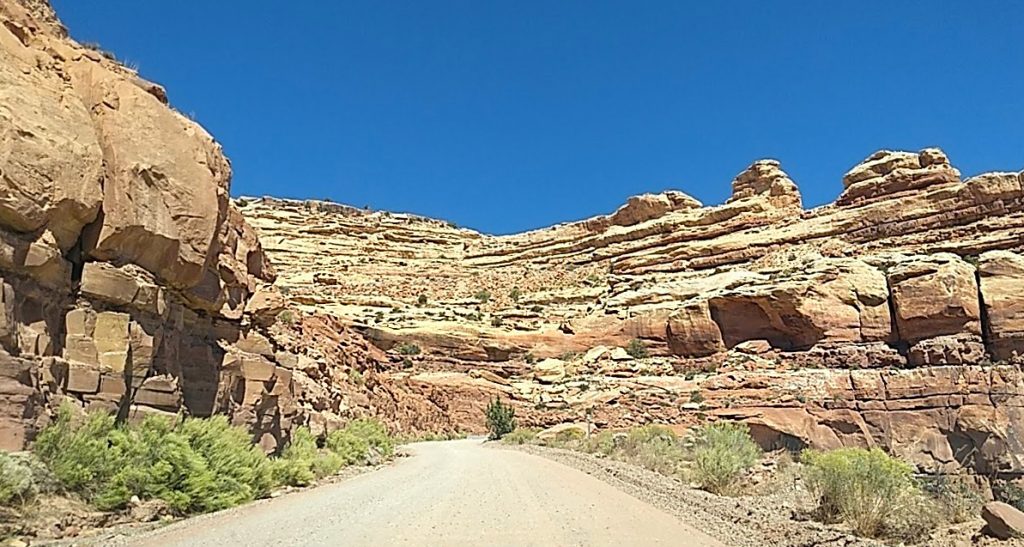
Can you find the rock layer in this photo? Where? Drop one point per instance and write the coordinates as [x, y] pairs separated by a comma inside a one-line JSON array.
[[887, 318], [127, 279]]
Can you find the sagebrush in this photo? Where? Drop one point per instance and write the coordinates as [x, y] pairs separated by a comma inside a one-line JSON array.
[[17, 485], [194, 465], [872, 492], [722, 453]]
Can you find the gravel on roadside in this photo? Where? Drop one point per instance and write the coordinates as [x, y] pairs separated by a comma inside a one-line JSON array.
[[744, 521]]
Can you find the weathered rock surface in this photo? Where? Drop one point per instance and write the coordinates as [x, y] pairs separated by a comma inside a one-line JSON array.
[[871, 321], [127, 279], [1002, 520], [892, 317]]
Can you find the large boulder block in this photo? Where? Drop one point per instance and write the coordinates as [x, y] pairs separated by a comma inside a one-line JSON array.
[[165, 188], [1002, 520], [935, 295], [692, 333], [125, 286], [1002, 288]]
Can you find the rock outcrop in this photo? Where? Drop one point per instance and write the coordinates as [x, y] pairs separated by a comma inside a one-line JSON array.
[[128, 280], [890, 317]]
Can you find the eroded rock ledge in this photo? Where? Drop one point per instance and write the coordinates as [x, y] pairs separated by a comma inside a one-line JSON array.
[[893, 316], [128, 281]]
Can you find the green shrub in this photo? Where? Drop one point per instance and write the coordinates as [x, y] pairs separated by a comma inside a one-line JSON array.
[[496, 321], [422, 300], [523, 435], [603, 443], [196, 466], [374, 433], [722, 453], [297, 465], [351, 448], [17, 484], [407, 348], [872, 492], [501, 419], [241, 471], [286, 317], [654, 447], [157, 462], [636, 349], [482, 296], [82, 455], [567, 438], [514, 294], [639, 436]]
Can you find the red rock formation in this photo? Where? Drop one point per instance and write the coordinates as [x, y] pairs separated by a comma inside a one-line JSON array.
[[861, 322], [128, 278]]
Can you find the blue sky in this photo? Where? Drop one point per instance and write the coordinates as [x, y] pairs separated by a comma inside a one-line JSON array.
[[504, 116]]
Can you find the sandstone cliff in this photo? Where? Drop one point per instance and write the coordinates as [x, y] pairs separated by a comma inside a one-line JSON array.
[[129, 281], [893, 316]]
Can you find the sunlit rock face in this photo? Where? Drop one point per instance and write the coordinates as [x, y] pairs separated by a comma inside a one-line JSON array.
[[889, 317], [127, 278]]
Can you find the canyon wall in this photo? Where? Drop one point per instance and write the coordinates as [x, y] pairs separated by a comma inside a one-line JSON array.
[[129, 280], [892, 317]]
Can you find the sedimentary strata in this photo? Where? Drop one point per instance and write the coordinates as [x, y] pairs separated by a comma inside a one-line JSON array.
[[892, 316]]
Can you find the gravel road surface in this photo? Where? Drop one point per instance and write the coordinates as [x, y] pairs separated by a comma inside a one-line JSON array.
[[446, 493]]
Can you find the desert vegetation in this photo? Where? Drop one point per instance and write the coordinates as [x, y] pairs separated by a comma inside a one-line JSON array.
[[192, 465], [867, 492], [501, 419]]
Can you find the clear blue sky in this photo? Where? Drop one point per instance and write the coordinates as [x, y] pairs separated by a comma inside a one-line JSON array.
[[504, 116]]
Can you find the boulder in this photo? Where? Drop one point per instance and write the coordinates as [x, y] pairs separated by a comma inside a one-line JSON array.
[[1001, 275], [935, 295], [692, 333], [50, 155], [549, 371], [825, 300], [1003, 520], [165, 189]]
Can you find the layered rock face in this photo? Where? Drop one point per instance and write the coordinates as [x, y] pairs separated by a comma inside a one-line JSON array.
[[891, 317], [129, 281]]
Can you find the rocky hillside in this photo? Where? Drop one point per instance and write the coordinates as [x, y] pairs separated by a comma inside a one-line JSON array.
[[893, 316], [129, 280]]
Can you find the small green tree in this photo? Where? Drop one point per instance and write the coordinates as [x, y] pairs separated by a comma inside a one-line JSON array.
[[501, 419], [514, 294], [636, 349]]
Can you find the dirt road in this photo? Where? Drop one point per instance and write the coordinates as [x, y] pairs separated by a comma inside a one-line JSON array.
[[445, 493]]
